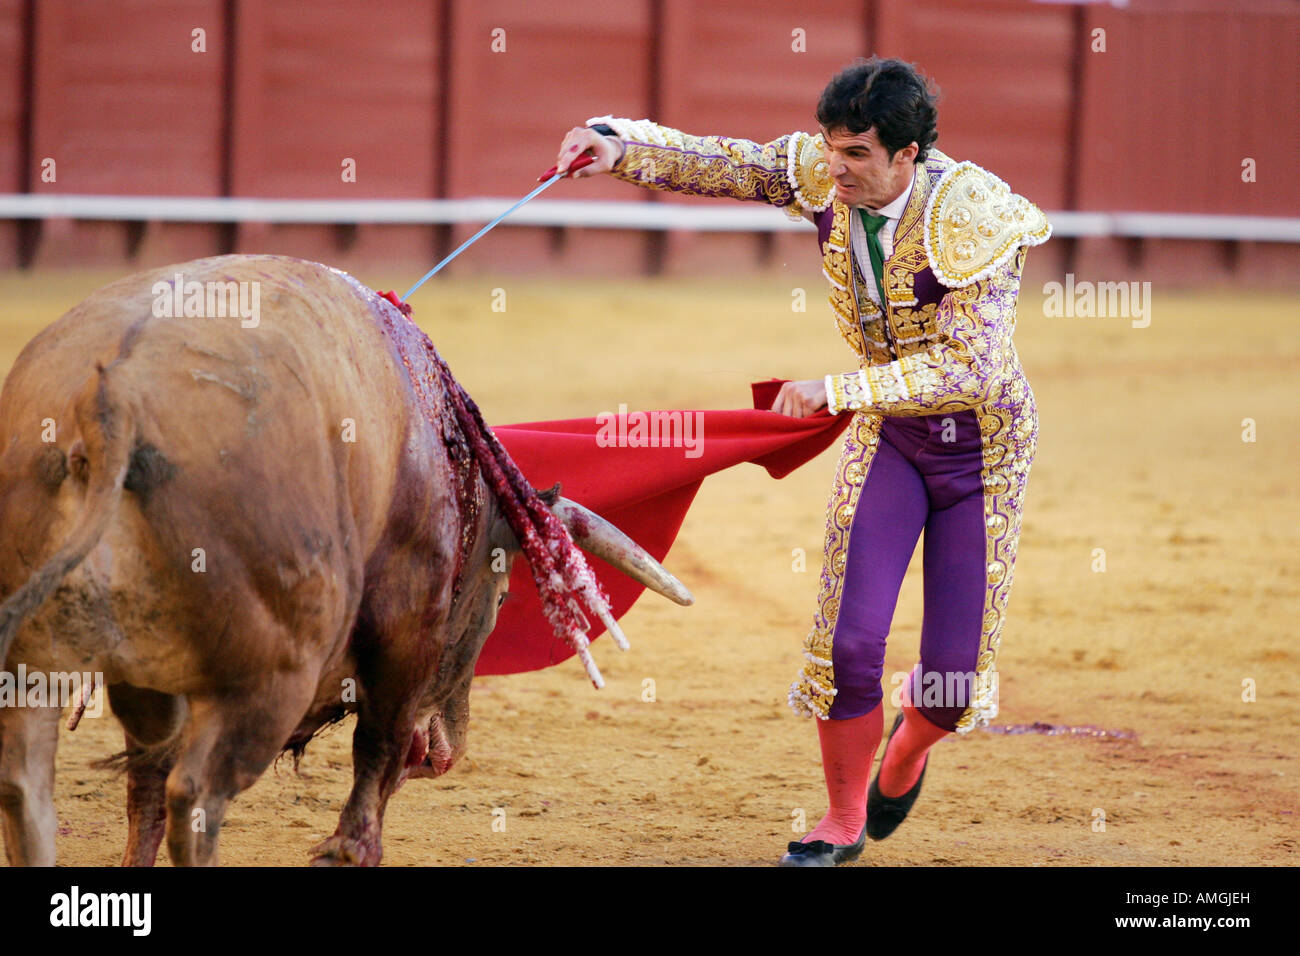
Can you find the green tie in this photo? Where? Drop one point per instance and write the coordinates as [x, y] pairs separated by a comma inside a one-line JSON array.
[[873, 224]]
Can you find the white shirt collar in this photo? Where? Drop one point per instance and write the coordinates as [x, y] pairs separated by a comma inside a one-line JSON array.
[[894, 210]]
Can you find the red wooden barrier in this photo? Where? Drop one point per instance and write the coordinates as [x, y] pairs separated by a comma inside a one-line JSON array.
[[471, 97]]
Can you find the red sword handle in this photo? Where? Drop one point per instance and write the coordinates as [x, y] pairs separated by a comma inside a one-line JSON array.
[[580, 163]]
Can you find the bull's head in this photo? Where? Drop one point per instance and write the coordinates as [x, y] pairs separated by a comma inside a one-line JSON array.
[[484, 590]]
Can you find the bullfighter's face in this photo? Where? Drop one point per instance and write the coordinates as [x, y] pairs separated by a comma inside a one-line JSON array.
[[865, 175]]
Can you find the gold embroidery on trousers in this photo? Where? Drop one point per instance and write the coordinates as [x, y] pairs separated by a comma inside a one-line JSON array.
[[1009, 434], [813, 692]]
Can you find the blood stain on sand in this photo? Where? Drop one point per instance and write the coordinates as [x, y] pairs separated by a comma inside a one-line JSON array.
[[1059, 730]]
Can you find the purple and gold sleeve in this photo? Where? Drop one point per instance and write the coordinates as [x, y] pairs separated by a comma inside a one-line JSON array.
[[788, 172]]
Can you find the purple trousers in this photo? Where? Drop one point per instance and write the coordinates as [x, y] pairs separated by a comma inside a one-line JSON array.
[[925, 474]]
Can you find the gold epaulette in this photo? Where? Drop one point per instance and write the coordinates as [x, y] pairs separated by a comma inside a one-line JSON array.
[[974, 223], [807, 172]]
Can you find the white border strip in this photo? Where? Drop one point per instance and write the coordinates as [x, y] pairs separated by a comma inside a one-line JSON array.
[[588, 214]]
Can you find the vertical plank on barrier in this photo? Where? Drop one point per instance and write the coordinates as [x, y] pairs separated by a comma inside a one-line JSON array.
[[125, 101], [334, 99], [1014, 120], [14, 90], [726, 71], [247, 123], [521, 76], [673, 69], [16, 19], [48, 89], [890, 25], [1165, 128]]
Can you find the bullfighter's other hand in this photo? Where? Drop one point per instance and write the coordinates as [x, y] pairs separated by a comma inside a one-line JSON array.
[[608, 150], [801, 399]]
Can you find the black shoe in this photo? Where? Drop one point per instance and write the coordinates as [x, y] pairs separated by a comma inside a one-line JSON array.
[[821, 853], [884, 814]]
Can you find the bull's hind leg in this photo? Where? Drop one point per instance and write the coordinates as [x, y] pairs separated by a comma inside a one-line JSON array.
[[29, 737], [150, 721], [228, 742], [146, 804]]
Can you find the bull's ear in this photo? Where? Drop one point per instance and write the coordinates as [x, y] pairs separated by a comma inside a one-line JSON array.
[[551, 495]]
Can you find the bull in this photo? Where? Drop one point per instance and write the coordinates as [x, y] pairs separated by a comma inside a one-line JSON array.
[[237, 519]]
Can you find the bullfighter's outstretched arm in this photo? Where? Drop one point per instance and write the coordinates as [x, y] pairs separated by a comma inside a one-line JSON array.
[[789, 171], [966, 369]]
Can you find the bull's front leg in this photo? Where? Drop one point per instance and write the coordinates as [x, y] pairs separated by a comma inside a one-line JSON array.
[[382, 749], [29, 737], [387, 741]]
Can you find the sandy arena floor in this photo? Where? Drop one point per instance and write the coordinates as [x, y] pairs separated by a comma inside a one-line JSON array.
[[1141, 454]]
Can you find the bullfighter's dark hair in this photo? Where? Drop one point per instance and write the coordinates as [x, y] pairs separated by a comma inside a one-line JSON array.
[[889, 95]]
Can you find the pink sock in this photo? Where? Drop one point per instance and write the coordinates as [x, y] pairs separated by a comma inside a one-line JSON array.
[[905, 754], [848, 749]]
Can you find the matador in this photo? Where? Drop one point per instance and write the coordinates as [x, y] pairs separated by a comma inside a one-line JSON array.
[[924, 256]]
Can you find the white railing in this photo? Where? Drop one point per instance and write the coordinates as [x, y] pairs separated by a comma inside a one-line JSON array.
[[586, 214]]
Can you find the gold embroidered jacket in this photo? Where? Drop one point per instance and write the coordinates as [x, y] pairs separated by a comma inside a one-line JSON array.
[[943, 341]]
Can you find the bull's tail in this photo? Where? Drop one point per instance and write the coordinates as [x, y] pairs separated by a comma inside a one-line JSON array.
[[108, 432]]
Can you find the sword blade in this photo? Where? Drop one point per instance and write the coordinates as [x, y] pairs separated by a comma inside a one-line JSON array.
[[579, 163], [478, 235]]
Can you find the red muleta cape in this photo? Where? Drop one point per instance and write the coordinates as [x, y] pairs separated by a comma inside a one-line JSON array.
[[644, 491]]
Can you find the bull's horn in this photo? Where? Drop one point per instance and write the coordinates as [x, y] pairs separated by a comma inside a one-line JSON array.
[[593, 533]]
